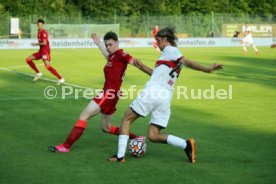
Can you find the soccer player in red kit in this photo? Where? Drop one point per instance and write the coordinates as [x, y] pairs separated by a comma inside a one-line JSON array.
[[154, 43], [117, 61], [43, 53]]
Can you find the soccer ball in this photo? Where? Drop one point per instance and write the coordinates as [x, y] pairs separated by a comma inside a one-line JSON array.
[[137, 147]]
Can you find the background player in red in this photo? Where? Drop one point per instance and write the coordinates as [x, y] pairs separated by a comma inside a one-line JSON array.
[[43, 53], [117, 61], [154, 43]]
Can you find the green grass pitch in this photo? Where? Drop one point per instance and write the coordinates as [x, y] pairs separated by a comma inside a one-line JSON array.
[[235, 139]]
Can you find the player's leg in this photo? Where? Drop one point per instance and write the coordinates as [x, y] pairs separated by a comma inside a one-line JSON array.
[[29, 61], [187, 145], [128, 118], [46, 59], [159, 120], [108, 107], [155, 136], [107, 126], [254, 47], [91, 110], [243, 43], [139, 107]]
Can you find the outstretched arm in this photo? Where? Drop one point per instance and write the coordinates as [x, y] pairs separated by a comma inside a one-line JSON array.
[[101, 46], [137, 63], [195, 66]]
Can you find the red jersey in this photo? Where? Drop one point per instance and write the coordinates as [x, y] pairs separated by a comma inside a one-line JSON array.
[[43, 35], [115, 68], [155, 31]]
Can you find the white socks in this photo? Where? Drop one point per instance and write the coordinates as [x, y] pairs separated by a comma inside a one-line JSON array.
[[244, 48], [176, 141], [122, 145], [254, 47]]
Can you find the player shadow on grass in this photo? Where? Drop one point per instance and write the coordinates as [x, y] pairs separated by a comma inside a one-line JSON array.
[[223, 145], [220, 134]]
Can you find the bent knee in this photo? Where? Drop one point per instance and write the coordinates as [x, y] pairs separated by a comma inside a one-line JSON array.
[[28, 59], [153, 137], [47, 66]]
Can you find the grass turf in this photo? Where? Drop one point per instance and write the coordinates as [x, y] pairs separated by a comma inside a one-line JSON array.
[[235, 139]]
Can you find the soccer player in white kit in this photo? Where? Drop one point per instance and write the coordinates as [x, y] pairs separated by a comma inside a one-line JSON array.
[[156, 97], [248, 39]]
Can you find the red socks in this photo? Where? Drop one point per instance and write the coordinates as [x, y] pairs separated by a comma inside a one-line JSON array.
[[79, 128], [75, 133], [53, 71], [32, 65], [116, 131]]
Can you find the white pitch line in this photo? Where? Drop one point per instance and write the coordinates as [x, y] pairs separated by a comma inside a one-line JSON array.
[[44, 78], [22, 66]]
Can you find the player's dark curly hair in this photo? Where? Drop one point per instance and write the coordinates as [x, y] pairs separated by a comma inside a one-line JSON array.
[[110, 35], [40, 21], [169, 33]]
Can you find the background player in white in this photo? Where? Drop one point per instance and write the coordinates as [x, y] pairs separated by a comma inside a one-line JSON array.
[[157, 95], [248, 39]]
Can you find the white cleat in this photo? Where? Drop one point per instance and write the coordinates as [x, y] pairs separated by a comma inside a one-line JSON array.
[[37, 76], [60, 81]]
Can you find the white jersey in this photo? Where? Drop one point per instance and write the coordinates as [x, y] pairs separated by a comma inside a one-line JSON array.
[[167, 68], [155, 99], [248, 35], [248, 38]]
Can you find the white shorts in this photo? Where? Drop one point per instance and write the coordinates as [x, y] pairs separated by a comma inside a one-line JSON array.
[[154, 100], [248, 39]]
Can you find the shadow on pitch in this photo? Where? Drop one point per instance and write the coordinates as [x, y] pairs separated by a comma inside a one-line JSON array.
[[253, 70]]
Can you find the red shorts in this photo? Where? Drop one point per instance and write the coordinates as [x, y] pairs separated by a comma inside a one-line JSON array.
[[43, 56], [107, 101]]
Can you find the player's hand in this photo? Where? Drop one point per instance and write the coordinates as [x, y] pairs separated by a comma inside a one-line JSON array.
[[34, 44], [215, 67], [95, 38]]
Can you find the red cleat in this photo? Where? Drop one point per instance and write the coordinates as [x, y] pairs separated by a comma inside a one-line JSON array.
[[59, 148]]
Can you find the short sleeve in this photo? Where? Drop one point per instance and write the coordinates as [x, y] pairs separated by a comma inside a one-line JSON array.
[[126, 57], [173, 54]]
